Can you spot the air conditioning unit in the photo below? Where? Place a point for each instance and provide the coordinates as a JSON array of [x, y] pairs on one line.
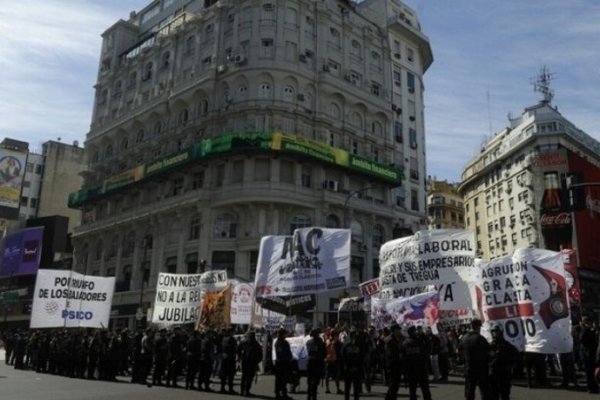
[[325, 67], [222, 68], [302, 58], [240, 59]]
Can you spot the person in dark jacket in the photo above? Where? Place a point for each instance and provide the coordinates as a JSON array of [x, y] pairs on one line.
[[588, 339], [193, 350], [394, 366], [161, 357], [415, 355], [475, 350], [251, 355], [503, 357], [315, 347], [283, 362], [353, 358], [207, 349], [228, 363]]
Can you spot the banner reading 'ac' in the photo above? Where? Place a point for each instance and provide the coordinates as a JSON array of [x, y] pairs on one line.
[[312, 260]]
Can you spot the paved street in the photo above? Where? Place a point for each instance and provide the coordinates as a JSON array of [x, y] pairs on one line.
[[28, 385]]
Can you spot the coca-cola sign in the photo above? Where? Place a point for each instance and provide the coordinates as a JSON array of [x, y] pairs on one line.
[[563, 218]]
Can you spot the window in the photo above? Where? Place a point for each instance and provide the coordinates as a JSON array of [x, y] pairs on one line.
[[286, 171], [357, 265], [195, 224], [190, 45], [24, 201], [166, 60], [171, 265], [378, 237], [306, 178], [375, 88], [118, 89], [414, 200], [332, 221], [410, 54], [356, 231], [412, 137], [299, 221], [267, 48], [335, 111], [225, 227], [410, 82], [224, 260], [184, 116], [29, 167], [398, 132], [148, 71], [288, 93], [33, 202], [264, 90], [132, 81], [262, 169], [333, 67], [397, 78], [191, 262], [198, 180]]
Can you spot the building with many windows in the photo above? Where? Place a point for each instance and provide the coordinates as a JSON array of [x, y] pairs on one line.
[[216, 123], [444, 206], [530, 187]]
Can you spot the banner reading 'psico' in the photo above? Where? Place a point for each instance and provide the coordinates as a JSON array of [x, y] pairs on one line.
[[443, 258], [312, 260], [526, 294], [69, 299], [177, 298]]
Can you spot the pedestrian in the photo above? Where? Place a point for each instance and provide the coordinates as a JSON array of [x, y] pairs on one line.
[[332, 355], [588, 339], [283, 361], [415, 357], [228, 363], [353, 357], [503, 357], [315, 348], [250, 355], [161, 357], [193, 349], [475, 350], [146, 356], [393, 362], [207, 349], [176, 356]]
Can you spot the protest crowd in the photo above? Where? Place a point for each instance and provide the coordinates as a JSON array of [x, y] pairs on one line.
[[344, 360]]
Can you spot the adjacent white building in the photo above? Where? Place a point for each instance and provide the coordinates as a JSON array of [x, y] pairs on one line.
[[216, 123]]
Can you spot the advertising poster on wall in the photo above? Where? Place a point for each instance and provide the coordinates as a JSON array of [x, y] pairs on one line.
[[21, 252], [71, 300], [12, 172], [526, 295]]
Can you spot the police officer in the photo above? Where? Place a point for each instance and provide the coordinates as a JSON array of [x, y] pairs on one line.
[[192, 359], [353, 355], [475, 349], [250, 355], [228, 352], [315, 347], [415, 357], [503, 356], [283, 362], [161, 357], [393, 362]]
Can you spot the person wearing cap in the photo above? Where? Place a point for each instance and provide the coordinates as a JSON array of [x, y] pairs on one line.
[[394, 366], [475, 349], [503, 357]]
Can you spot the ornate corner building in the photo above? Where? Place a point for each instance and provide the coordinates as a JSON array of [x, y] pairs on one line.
[[216, 123], [445, 208]]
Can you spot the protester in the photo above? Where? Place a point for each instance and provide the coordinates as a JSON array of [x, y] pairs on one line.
[[394, 366], [475, 350], [415, 358], [588, 339], [283, 359], [353, 355], [250, 353], [315, 349], [503, 356], [332, 356]]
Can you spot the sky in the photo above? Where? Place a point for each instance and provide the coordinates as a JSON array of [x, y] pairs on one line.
[[486, 54]]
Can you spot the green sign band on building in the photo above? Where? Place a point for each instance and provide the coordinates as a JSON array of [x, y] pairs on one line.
[[230, 142]]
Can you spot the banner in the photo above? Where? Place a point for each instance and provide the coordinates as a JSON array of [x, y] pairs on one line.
[[21, 252], [12, 172], [351, 304], [526, 294], [313, 260], [380, 318], [178, 297], [271, 320], [452, 318], [214, 280], [369, 288], [242, 295], [288, 305], [419, 310], [69, 299], [216, 310], [572, 276], [298, 348], [443, 258]]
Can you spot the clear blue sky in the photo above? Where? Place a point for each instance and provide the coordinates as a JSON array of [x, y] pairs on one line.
[[482, 49]]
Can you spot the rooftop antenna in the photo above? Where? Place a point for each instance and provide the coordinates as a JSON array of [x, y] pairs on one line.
[[541, 84]]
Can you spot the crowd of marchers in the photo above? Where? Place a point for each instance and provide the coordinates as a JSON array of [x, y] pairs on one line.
[[349, 360]]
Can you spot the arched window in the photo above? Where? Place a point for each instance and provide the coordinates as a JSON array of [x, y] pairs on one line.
[[377, 128], [148, 71], [225, 227], [378, 237], [166, 60], [288, 93], [299, 221], [264, 90], [124, 143], [140, 136], [357, 120], [184, 116], [108, 152], [95, 157], [332, 221], [158, 127], [335, 111], [357, 231], [203, 107]]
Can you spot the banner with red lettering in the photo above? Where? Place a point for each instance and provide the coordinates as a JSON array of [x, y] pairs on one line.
[[526, 295], [369, 288]]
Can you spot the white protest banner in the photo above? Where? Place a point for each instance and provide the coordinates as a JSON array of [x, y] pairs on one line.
[[298, 348], [242, 295], [380, 318], [418, 310], [526, 294], [177, 298], [271, 320], [213, 281], [69, 299], [443, 258], [351, 304], [312, 260], [369, 288], [450, 318]]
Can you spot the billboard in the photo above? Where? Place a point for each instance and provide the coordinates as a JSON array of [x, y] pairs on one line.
[[21, 252], [12, 172]]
